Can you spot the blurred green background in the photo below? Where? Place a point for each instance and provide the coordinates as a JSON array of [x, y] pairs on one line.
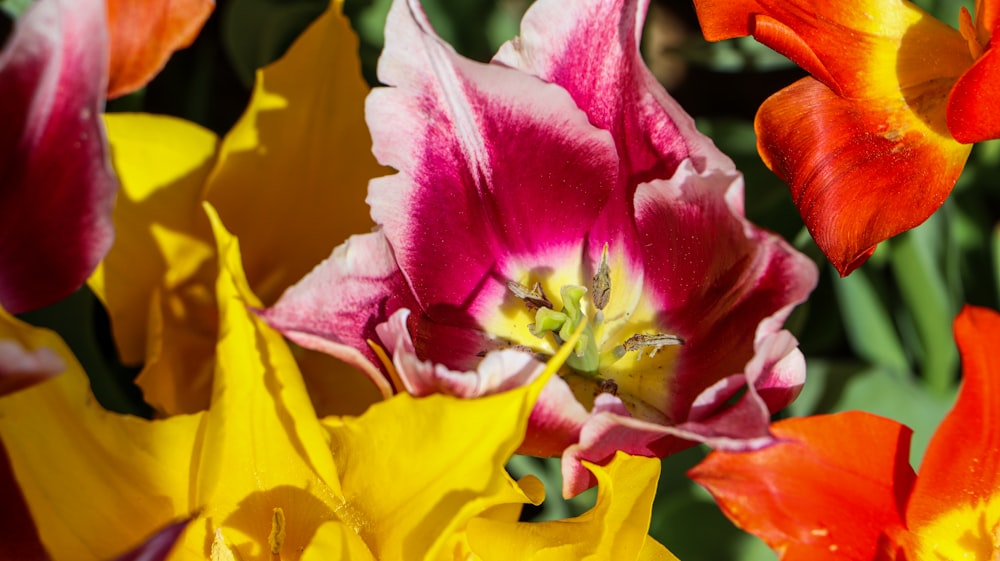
[[879, 340]]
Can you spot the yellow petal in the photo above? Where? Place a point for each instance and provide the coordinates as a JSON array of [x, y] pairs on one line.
[[336, 542], [335, 387], [293, 173], [414, 471], [162, 236], [177, 376], [615, 529], [97, 483], [264, 449], [653, 550]]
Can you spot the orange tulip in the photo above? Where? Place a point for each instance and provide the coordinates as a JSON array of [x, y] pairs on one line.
[[873, 142], [841, 486]]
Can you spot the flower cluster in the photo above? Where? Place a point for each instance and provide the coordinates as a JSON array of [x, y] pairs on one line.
[[349, 316]]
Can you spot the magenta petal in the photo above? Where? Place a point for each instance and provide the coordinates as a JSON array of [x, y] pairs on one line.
[[57, 187], [592, 50], [495, 166], [336, 307], [498, 371], [722, 289], [21, 368], [773, 378]]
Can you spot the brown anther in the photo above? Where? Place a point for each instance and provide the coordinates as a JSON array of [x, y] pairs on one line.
[[533, 297], [607, 386], [641, 341], [601, 292]]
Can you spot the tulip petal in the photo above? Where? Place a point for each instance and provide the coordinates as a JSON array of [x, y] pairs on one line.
[[844, 158], [61, 445], [159, 546], [794, 494], [336, 307], [299, 159], [773, 377], [972, 114], [163, 163], [714, 290], [593, 52], [265, 449], [145, 34], [615, 528], [555, 421], [334, 541], [483, 152], [18, 533], [473, 439], [875, 132], [156, 280], [22, 368], [898, 49], [58, 187], [960, 466]]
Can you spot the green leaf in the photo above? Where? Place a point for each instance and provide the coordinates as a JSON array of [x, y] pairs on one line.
[[868, 324], [14, 8], [916, 261]]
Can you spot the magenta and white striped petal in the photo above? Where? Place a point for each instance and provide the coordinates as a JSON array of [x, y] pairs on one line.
[[336, 307], [494, 166], [592, 51], [772, 379], [57, 187], [714, 288]]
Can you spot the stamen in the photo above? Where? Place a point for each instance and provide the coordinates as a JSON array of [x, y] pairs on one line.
[[533, 297], [968, 30], [221, 550], [397, 381], [607, 386], [641, 341], [602, 282], [277, 536]]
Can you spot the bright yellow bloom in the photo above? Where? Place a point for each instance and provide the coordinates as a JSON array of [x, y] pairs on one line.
[[266, 479], [289, 180]]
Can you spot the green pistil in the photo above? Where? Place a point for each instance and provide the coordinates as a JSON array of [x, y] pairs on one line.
[[563, 323]]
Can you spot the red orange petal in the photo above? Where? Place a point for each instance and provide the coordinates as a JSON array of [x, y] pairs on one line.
[[145, 34], [962, 463], [972, 105], [860, 171], [833, 489], [842, 44]]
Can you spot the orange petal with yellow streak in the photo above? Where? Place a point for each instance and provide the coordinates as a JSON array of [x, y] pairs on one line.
[[860, 171], [962, 462], [842, 45], [973, 103]]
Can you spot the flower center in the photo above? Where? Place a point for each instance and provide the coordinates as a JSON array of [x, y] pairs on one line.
[[599, 347]]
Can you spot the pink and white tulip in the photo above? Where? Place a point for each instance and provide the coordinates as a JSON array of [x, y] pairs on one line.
[[556, 186]]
